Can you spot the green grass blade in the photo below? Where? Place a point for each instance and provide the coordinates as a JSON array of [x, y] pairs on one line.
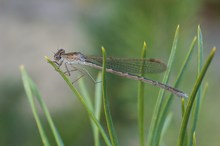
[[106, 104], [97, 105], [192, 98], [193, 142], [141, 102], [97, 108], [205, 90], [183, 111], [200, 50], [169, 99], [85, 94], [185, 62], [82, 100], [88, 101], [183, 106], [154, 122], [48, 116], [195, 112], [167, 123], [194, 138], [28, 90]]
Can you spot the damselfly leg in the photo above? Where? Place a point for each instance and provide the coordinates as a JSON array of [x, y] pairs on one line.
[[82, 72]]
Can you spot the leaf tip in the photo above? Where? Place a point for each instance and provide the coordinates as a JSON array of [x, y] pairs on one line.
[[103, 49], [21, 67], [145, 45], [47, 58], [214, 49], [178, 26], [195, 38], [183, 100], [177, 30]]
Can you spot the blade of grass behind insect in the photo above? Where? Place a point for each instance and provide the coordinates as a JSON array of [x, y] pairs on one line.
[[28, 90], [195, 112], [192, 98], [154, 122], [85, 94], [183, 111], [194, 138], [106, 104], [47, 114], [165, 127], [82, 100], [141, 122], [205, 90], [167, 101], [88, 101], [203, 96], [183, 106], [193, 142], [97, 107]]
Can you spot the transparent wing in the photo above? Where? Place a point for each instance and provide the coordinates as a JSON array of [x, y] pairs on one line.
[[130, 65]]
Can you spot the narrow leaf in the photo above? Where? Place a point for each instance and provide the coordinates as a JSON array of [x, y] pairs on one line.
[[141, 101], [106, 104], [196, 108], [169, 99], [27, 87], [154, 122], [192, 98], [97, 108]]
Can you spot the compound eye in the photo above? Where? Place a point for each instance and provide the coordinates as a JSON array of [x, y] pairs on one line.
[[57, 57]]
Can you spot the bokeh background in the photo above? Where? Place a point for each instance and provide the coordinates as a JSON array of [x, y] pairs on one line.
[[30, 30]]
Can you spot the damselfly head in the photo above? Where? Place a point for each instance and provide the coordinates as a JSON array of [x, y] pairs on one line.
[[57, 56]]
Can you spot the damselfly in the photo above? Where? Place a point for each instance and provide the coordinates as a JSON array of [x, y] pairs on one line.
[[124, 67]]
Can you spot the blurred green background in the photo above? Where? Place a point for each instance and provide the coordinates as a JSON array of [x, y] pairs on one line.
[[30, 29]]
